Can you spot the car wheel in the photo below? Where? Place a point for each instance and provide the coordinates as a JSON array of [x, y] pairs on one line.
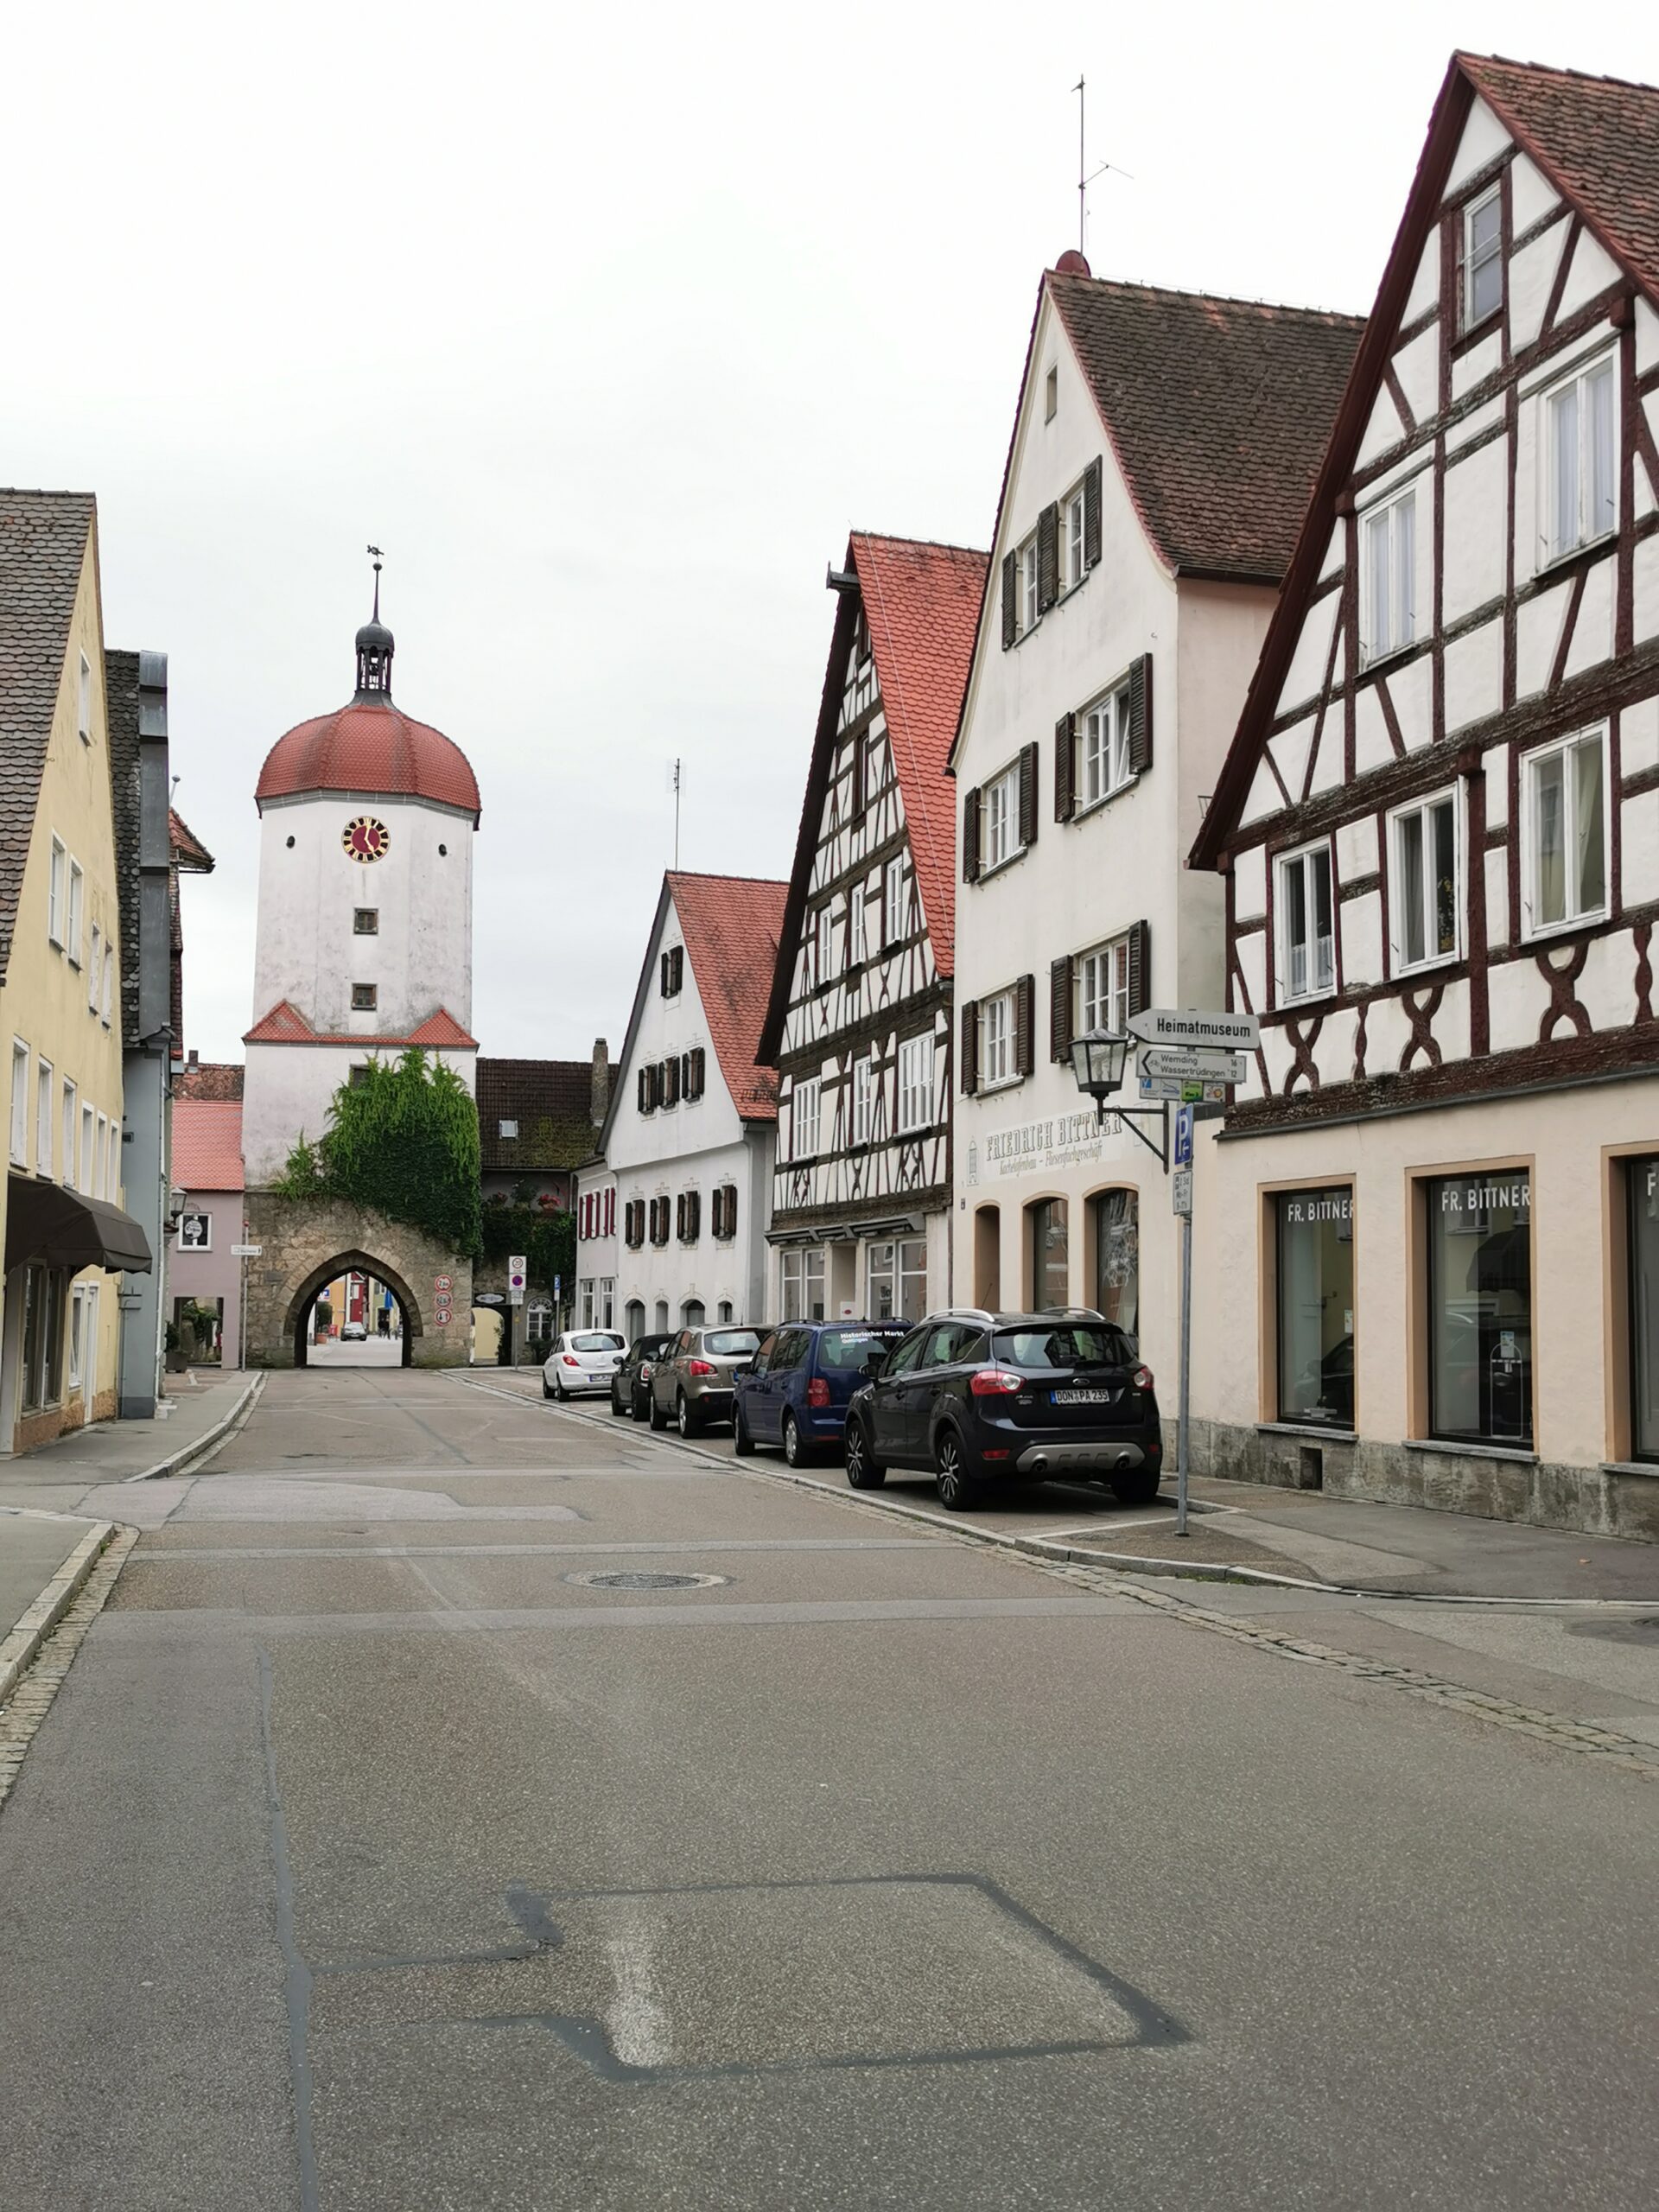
[[957, 1487], [638, 1406], [742, 1442], [687, 1415], [795, 1453], [617, 1407], [547, 1388], [1139, 1488], [863, 1471], [659, 1418]]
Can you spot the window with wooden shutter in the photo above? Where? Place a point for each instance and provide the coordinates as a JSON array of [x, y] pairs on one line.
[[1028, 797], [671, 1083], [1065, 745], [1059, 1008], [696, 1072], [677, 957], [693, 1216], [970, 835], [665, 975], [1048, 558], [679, 1217], [1010, 600], [1139, 967], [643, 1085], [1141, 715], [1091, 514], [1025, 992], [969, 1047], [731, 1209]]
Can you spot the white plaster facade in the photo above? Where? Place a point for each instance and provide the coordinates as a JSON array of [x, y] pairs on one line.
[[596, 1304]]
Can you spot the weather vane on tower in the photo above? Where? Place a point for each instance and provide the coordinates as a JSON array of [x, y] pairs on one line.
[[377, 557]]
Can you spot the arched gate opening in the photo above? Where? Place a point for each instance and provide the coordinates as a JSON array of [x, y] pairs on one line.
[[297, 1324]]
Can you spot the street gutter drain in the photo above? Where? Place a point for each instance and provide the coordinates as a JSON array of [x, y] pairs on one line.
[[641, 1578]]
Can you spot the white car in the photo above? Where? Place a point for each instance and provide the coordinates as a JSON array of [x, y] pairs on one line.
[[581, 1360], [353, 1332]]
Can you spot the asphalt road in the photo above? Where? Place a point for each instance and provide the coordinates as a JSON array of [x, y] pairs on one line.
[[372, 1858]]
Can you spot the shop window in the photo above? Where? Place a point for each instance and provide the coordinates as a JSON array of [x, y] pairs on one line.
[[1117, 1258], [1642, 1176], [44, 1292], [802, 1283], [1051, 1255], [897, 1279], [1315, 1315], [1479, 1280]]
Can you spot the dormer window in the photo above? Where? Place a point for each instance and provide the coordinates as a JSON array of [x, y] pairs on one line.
[[1483, 259]]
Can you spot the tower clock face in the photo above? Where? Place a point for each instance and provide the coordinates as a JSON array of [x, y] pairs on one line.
[[365, 839]]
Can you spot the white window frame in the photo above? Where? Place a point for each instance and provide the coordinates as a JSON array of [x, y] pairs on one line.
[[855, 925], [1283, 863], [1000, 805], [94, 969], [55, 892], [70, 1124], [77, 910], [101, 1160], [1029, 575], [1072, 538], [863, 1098], [1574, 918], [1391, 628], [88, 1153], [1399, 964], [113, 1167], [895, 915], [107, 1003], [996, 1062], [20, 1059], [84, 702], [801, 1271], [1563, 535], [916, 1064], [1103, 987], [45, 1107], [1469, 319], [1104, 767], [805, 1116], [823, 944]]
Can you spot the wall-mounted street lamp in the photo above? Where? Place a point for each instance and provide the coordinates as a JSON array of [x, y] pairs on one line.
[[1100, 1059]]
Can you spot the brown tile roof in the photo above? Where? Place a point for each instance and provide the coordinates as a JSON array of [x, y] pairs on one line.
[[286, 1025], [1595, 137], [208, 1079], [207, 1144], [188, 851], [1218, 411], [551, 1101], [42, 549], [731, 925]]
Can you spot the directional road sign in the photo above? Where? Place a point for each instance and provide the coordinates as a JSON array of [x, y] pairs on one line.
[[1230, 1032], [1185, 1093], [246, 1251], [1192, 1067]]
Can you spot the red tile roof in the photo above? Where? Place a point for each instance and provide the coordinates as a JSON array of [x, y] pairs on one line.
[[207, 1144], [217, 1079], [731, 925], [1218, 411], [373, 749], [286, 1025], [1596, 138], [921, 602], [188, 851]]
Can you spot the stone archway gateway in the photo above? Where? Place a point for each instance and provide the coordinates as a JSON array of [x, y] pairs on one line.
[[304, 1243]]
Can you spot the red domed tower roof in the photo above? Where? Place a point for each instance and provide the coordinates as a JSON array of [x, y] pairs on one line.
[[369, 745]]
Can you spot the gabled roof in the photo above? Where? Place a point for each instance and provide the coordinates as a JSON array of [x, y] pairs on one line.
[[43, 550], [188, 851], [921, 604], [210, 1079], [1217, 411], [552, 1102], [1597, 140], [286, 1025], [206, 1144]]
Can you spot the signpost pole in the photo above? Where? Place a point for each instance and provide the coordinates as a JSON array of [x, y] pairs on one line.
[[1186, 1347]]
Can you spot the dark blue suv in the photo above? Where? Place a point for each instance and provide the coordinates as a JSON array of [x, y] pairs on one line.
[[795, 1391]]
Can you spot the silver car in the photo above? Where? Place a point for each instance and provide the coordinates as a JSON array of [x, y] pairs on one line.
[[581, 1361], [693, 1383]]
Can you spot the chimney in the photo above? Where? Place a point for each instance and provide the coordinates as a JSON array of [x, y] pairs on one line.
[[195, 1059], [602, 1089]]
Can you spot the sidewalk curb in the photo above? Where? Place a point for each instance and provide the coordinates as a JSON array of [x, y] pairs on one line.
[[1179, 1570], [188, 1454], [48, 1609]]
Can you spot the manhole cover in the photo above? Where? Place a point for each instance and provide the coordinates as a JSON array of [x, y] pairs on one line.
[[642, 1578], [1644, 1629]]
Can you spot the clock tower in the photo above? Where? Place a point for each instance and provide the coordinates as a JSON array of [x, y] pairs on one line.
[[365, 934]]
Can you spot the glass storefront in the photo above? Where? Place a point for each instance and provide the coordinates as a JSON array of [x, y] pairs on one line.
[[1643, 1181], [1117, 1258], [1051, 1255], [1316, 1306], [1480, 1307], [802, 1282], [898, 1280]]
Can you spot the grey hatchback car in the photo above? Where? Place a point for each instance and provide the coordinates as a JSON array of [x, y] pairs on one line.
[[692, 1383]]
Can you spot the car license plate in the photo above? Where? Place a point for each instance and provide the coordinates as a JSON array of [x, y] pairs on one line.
[[1083, 1397]]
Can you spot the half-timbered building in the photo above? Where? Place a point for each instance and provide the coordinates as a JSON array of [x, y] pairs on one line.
[[1164, 447], [689, 1128], [1439, 831], [859, 1022]]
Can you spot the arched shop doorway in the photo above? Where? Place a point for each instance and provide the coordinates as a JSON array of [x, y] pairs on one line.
[[375, 1300]]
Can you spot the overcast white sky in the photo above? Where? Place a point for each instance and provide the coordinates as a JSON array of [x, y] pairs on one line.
[[608, 323]]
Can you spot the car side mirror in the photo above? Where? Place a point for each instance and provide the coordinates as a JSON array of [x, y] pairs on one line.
[[874, 1361], [749, 1369]]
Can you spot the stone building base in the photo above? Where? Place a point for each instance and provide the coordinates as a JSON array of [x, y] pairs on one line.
[[307, 1243], [1495, 1485]]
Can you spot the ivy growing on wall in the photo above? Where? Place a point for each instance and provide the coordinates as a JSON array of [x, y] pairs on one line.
[[546, 1234], [404, 1141]]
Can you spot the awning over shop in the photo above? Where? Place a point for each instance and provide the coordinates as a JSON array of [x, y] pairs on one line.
[[846, 1232], [67, 1230]]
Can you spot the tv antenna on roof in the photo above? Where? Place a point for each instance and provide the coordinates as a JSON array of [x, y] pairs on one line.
[[1085, 177], [676, 783]]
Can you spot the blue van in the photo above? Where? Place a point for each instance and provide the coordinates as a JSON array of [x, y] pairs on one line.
[[794, 1392]]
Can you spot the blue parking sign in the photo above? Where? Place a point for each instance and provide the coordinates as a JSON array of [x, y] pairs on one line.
[[1183, 1136]]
